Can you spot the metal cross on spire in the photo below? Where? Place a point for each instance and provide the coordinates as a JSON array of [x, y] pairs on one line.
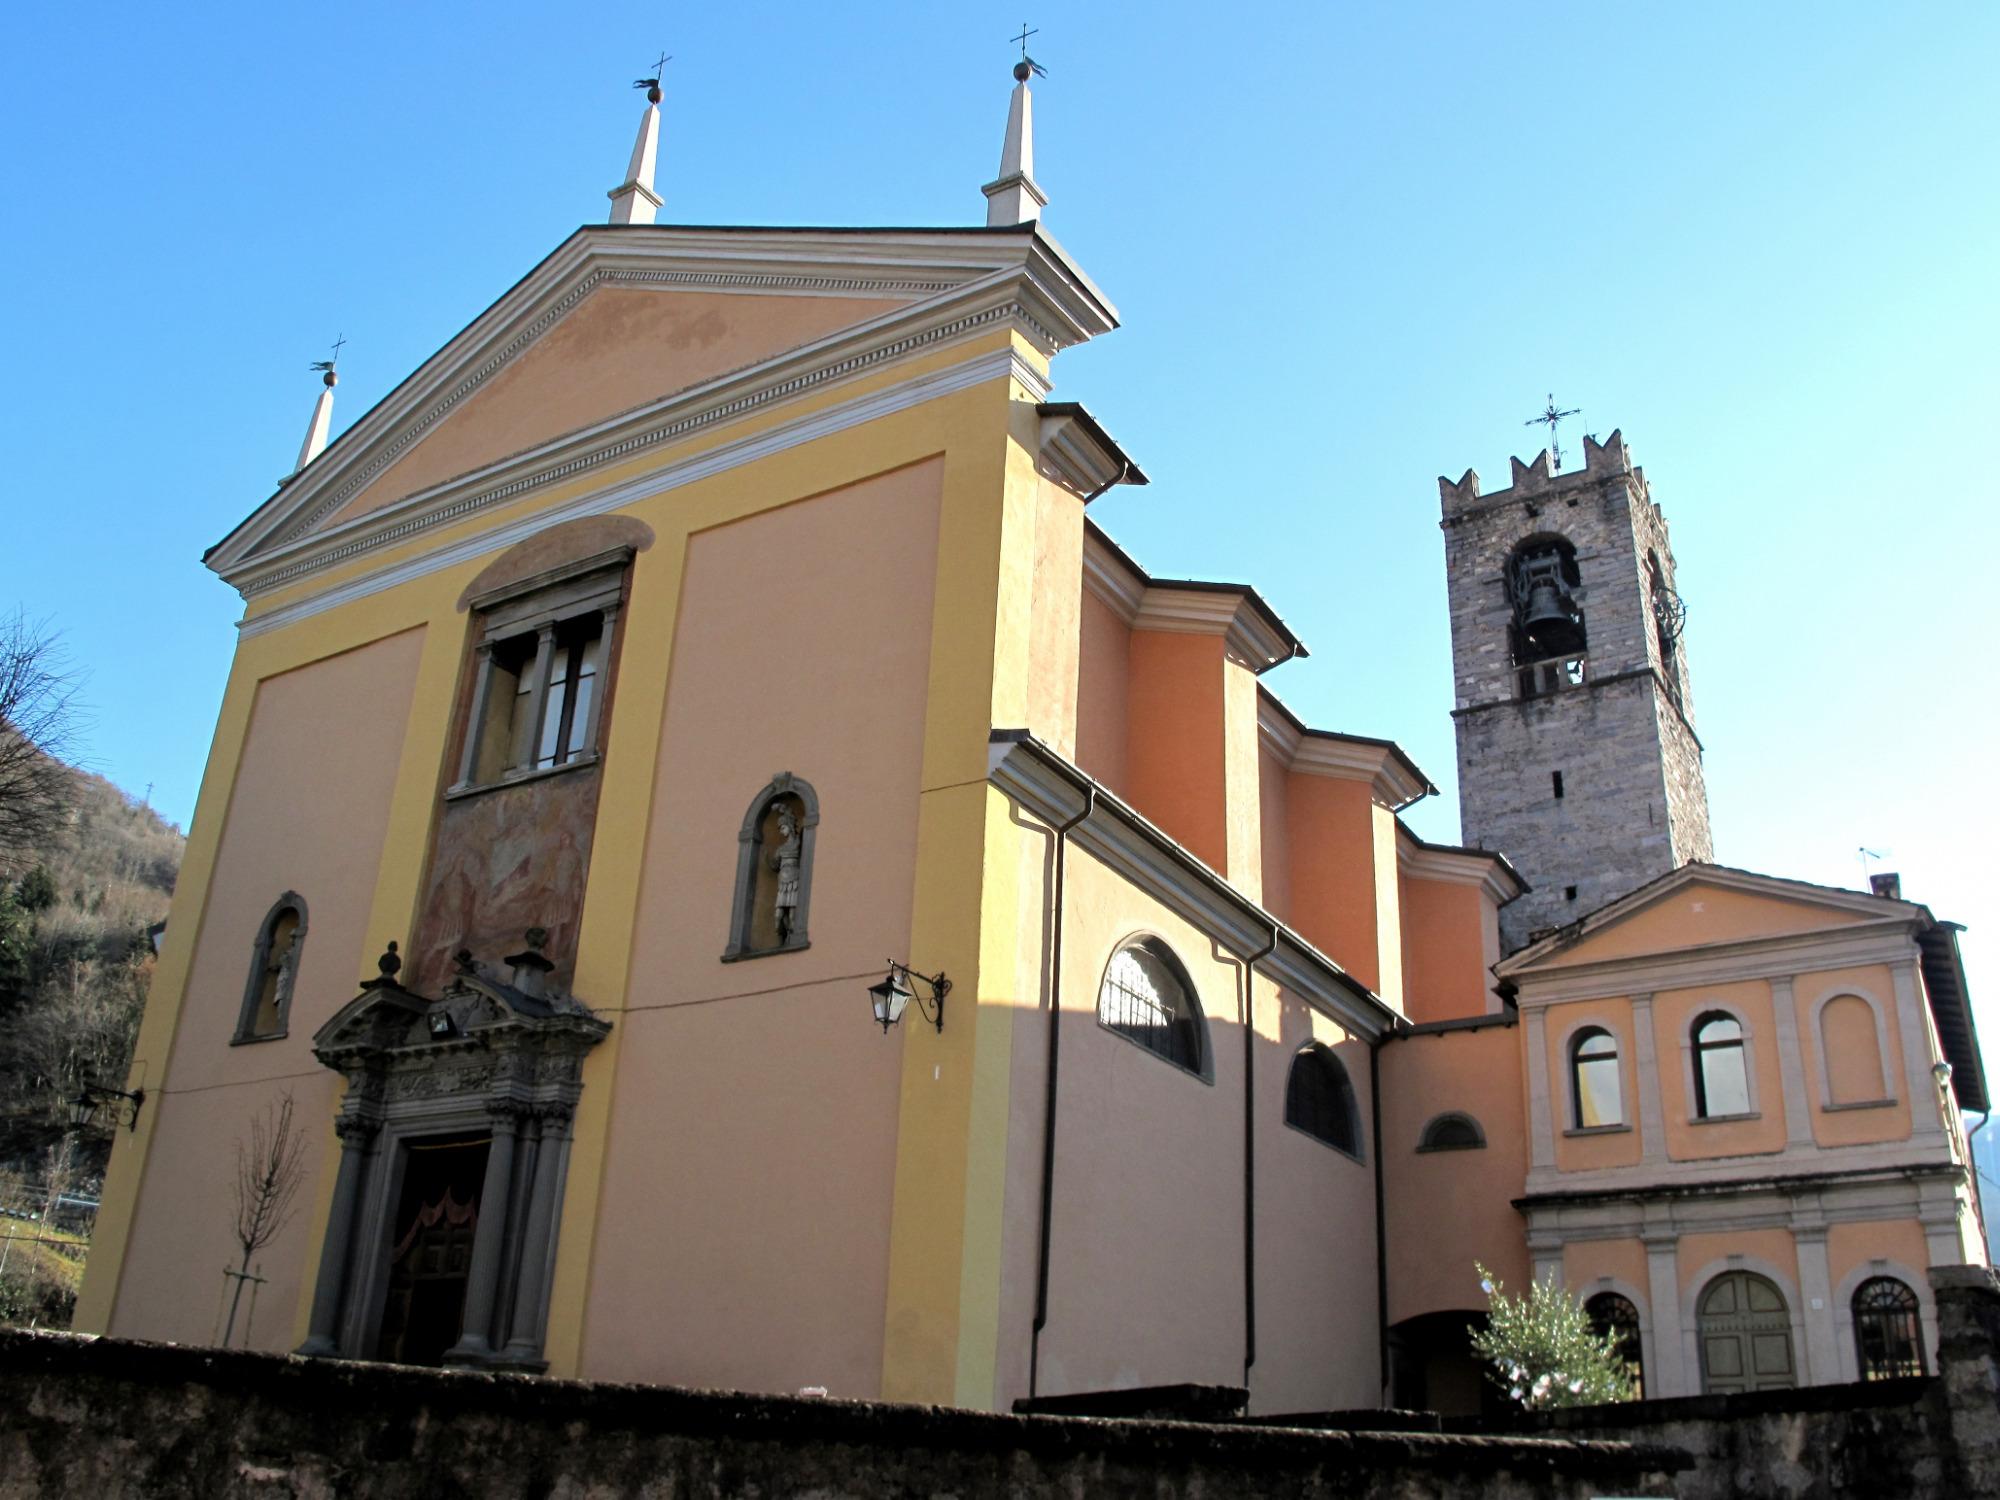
[[652, 85], [1027, 65], [329, 368], [1551, 416]]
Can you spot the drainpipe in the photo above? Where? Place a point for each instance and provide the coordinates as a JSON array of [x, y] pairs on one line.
[[1381, 1229], [1049, 1093], [1250, 1153]]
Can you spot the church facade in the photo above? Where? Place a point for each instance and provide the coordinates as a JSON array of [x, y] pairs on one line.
[[746, 885]]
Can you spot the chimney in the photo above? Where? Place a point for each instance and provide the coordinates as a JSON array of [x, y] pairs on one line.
[[1888, 885]]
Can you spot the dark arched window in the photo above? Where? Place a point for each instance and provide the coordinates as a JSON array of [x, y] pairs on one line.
[[1610, 1313], [1146, 998], [1319, 1100], [1593, 1069], [774, 861], [1452, 1132], [1721, 1082], [274, 971], [1888, 1332]]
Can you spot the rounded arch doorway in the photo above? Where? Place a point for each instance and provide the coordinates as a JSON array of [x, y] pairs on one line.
[[1746, 1336]]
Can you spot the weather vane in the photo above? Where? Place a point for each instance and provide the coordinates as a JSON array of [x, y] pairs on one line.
[[1027, 65], [652, 85], [329, 369], [1551, 416]]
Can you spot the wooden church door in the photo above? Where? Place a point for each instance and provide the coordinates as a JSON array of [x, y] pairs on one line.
[[1746, 1336], [437, 1217]]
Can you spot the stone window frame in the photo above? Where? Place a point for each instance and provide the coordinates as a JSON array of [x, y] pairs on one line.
[[1159, 948], [748, 842], [288, 979], [539, 605], [1843, 1306], [1706, 1011], [1323, 1054], [1569, 1038], [1816, 1013], [1425, 1143]]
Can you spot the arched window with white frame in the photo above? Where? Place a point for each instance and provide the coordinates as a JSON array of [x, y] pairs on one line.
[[1597, 1096], [1721, 1071]]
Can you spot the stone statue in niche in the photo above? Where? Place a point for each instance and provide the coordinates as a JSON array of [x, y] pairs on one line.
[[785, 860]]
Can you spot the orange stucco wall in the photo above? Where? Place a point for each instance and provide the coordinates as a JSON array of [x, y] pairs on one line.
[[619, 349], [1587, 1152], [752, 1138], [1674, 1014], [1177, 763], [1847, 1127], [1147, 1251], [1103, 680], [1697, 1254], [1333, 871], [1700, 913], [1274, 852], [1447, 1209], [1444, 950], [299, 819]]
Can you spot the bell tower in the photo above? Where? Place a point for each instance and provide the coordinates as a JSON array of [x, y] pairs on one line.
[[1577, 755]]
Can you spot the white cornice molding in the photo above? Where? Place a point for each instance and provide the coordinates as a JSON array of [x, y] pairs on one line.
[[952, 287], [914, 392], [1890, 941], [1070, 452], [1858, 903], [1476, 867], [1793, 1170], [1052, 790], [1176, 608], [1323, 752]]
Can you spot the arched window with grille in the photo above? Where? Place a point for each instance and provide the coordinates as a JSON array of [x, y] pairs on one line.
[[1888, 1330], [1148, 999], [1721, 1080], [1594, 1085], [274, 970], [1319, 1100], [1455, 1131], [1616, 1315]]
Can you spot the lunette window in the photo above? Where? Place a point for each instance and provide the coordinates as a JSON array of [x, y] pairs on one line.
[[1721, 1082], [1594, 1079], [538, 692], [1452, 1132], [1319, 1099], [1147, 999], [1888, 1333]]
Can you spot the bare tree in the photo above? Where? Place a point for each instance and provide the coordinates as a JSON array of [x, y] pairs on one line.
[[269, 1169], [39, 718]]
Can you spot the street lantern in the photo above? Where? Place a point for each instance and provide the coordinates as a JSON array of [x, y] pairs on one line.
[[893, 995], [83, 1107]]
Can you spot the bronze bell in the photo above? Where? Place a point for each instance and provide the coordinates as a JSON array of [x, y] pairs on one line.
[[1547, 620]]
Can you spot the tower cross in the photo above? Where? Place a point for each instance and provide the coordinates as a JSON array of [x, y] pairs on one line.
[[337, 344], [661, 66], [1026, 32], [1551, 416]]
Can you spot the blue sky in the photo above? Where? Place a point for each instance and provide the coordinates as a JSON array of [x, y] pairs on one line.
[[1354, 247]]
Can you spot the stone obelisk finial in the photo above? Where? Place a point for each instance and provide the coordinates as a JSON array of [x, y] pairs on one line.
[[633, 201], [1014, 197], [322, 417]]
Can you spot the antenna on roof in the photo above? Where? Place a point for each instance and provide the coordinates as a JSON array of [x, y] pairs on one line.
[[1551, 416]]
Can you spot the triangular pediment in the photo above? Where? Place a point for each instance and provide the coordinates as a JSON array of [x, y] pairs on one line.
[[630, 336], [1701, 906]]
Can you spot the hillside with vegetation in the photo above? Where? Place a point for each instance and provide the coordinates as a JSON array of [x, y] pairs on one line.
[[77, 901]]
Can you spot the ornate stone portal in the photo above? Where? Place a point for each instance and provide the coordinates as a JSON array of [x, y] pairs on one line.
[[485, 1059]]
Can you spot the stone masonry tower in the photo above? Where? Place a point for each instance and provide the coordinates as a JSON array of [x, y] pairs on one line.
[[1577, 756]]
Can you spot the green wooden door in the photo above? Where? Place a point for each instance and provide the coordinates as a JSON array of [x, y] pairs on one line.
[[1746, 1336]]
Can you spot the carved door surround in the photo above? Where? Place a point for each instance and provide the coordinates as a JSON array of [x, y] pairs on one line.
[[503, 1059]]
